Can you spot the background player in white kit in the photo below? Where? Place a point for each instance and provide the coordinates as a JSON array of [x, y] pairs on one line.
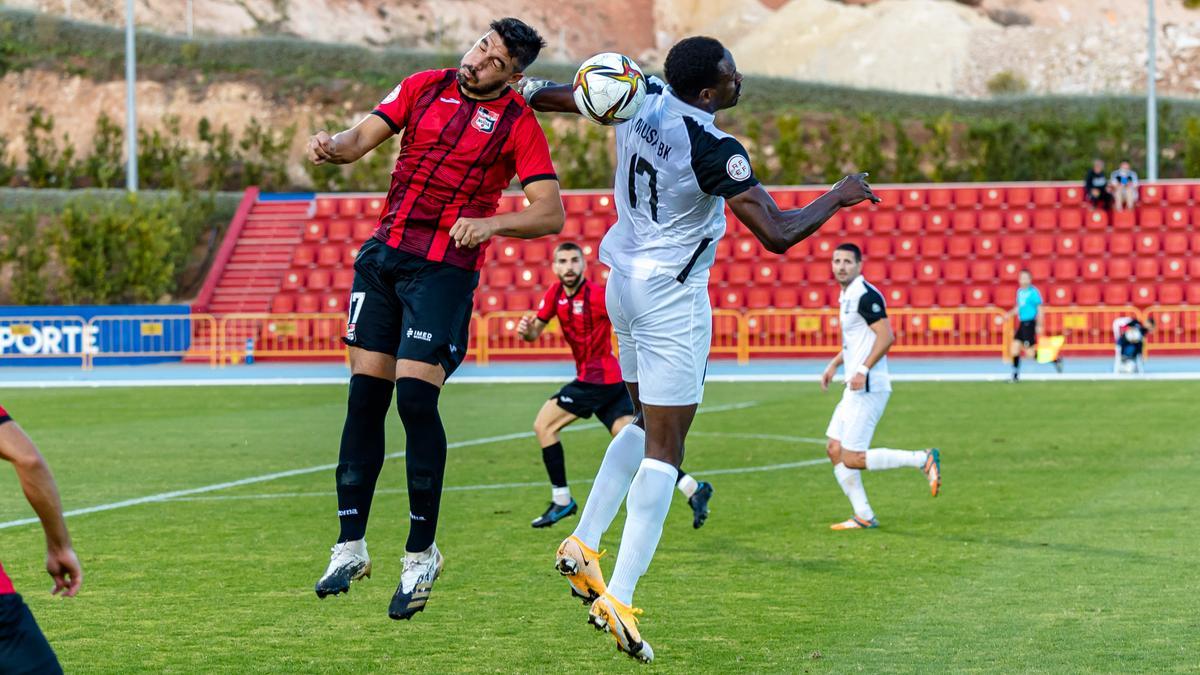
[[866, 337], [675, 171]]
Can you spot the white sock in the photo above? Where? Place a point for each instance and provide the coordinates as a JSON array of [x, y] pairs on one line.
[[879, 459], [561, 495], [616, 472], [687, 485], [647, 506], [851, 482]]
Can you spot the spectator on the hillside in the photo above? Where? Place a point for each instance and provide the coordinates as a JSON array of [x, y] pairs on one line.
[[1124, 186], [1095, 186]]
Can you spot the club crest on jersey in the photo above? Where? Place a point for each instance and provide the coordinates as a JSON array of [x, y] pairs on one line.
[[578, 307], [485, 120], [738, 167]]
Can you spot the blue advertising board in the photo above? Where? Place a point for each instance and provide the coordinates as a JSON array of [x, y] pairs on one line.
[[65, 335]]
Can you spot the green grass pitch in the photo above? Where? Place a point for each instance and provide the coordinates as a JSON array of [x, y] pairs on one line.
[[1065, 539]]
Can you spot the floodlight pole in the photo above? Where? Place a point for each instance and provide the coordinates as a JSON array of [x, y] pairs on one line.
[[189, 20], [1151, 100], [131, 167]]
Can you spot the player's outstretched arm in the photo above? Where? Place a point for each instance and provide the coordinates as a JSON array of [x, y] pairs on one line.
[[544, 215], [350, 145], [42, 493], [530, 327], [547, 96], [780, 230]]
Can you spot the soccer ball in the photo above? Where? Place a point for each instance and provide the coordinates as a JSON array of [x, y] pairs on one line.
[[609, 88]]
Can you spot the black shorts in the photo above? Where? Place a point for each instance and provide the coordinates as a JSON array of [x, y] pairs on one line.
[[608, 402], [23, 647], [409, 307], [1027, 333]]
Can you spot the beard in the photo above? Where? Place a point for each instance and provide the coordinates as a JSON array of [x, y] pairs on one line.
[[475, 90]]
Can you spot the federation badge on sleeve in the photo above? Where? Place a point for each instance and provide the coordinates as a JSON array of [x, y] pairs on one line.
[[485, 120]]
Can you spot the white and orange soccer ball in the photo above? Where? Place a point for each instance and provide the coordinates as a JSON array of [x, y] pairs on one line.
[[609, 88]]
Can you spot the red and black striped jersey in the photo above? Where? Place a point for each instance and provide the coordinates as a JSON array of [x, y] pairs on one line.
[[6, 586], [456, 156], [585, 326]]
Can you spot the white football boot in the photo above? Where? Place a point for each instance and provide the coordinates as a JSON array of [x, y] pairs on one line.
[[348, 562]]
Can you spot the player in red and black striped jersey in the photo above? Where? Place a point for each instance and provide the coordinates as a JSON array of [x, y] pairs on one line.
[[23, 647], [467, 133], [598, 388]]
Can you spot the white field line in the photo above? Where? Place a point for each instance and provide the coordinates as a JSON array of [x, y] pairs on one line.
[[165, 496]]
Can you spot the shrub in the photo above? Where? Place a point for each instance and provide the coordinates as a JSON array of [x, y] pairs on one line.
[[1006, 83]]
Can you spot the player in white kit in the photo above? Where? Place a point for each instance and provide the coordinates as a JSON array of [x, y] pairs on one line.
[[675, 172], [866, 337]]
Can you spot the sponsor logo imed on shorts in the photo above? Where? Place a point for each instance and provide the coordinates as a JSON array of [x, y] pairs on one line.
[[419, 335]]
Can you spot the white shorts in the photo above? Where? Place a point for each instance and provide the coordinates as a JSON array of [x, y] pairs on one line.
[[664, 330], [855, 418]]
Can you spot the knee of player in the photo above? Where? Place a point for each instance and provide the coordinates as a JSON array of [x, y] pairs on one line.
[[416, 398], [369, 397]]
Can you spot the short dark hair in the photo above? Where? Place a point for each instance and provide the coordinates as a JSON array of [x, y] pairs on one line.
[[691, 65], [568, 246], [522, 42], [853, 248]]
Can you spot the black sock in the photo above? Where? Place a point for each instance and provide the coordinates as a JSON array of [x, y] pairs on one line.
[[425, 458], [556, 464], [1016, 364], [361, 456]]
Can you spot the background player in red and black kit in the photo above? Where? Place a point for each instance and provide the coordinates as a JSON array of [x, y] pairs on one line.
[[598, 387], [467, 133], [23, 648]]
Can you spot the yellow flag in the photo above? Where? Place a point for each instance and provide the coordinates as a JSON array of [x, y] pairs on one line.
[[1048, 348]]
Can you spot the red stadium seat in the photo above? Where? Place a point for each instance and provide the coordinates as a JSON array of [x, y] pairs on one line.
[[1094, 244], [959, 245], [1177, 194], [758, 298], [991, 197], [725, 249], [292, 280], [1147, 243], [349, 207], [883, 221], [987, 245], [1087, 295], [939, 197], [937, 223], [1174, 268], [1170, 294], [901, 272], [717, 274], [534, 253], [979, 296], [912, 198], [576, 203], [339, 230], [1094, 269], [784, 199], [499, 278], [1040, 269], [1045, 196], [1119, 269], [1149, 217], [1018, 197], [765, 273], [1070, 219], [878, 247], [1071, 195], [283, 304], [966, 197], [819, 273], [1060, 294], [1065, 270], [921, 296], [508, 252], [1193, 294], [373, 207], [983, 271], [489, 301], [308, 303], [1120, 244], [739, 274], [1175, 243], [343, 279], [603, 204], [349, 255], [1097, 220], [314, 231], [1146, 268], [791, 273], [1196, 243], [906, 247], [1178, 219], [955, 271], [1005, 296], [1009, 270], [572, 227], [812, 298], [929, 271], [745, 249], [1144, 294], [786, 298], [517, 302], [1123, 220], [1045, 220], [318, 280], [527, 277], [911, 222], [896, 297], [1017, 221], [1012, 246], [363, 230], [325, 207], [1067, 245], [950, 296], [330, 255], [991, 221], [1151, 194], [964, 221], [1116, 294], [933, 246], [595, 227], [304, 256], [1041, 245], [875, 269]]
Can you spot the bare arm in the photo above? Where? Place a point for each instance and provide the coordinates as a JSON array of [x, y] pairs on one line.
[[780, 230], [884, 339], [530, 327], [543, 216], [350, 145], [42, 494], [547, 96], [831, 370]]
